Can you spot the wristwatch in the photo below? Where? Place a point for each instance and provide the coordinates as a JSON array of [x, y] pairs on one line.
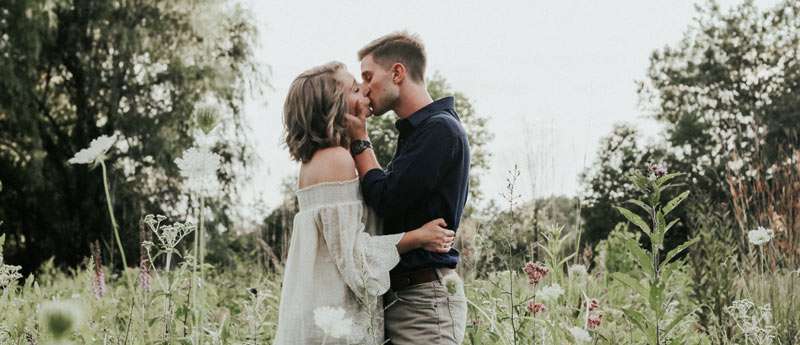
[[358, 146]]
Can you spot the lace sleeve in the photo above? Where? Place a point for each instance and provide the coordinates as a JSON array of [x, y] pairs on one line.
[[363, 260]]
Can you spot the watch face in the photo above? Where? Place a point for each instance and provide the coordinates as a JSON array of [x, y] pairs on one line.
[[359, 146]]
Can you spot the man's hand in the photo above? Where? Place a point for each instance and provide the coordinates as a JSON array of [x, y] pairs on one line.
[[357, 123]]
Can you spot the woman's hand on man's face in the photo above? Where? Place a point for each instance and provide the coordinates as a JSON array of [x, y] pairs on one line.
[[357, 120]]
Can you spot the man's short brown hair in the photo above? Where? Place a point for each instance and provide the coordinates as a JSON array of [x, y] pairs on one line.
[[398, 47]]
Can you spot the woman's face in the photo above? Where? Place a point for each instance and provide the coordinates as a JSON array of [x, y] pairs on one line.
[[354, 93]]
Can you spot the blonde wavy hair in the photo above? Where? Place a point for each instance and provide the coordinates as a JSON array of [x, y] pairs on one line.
[[314, 112]]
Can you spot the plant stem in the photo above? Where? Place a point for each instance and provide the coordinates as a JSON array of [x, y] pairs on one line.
[[201, 237], [201, 261], [168, 296], [114, 225]]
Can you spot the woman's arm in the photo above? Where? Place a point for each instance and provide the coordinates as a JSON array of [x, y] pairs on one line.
[[433, 237]]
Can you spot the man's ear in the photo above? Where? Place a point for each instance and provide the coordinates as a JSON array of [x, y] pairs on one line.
[[398, 73]]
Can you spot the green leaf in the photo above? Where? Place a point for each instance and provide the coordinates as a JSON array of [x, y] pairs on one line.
[[680, 248], [655, 197], [675, 202], [635, 219], [639, 320], [676, 341], [569, 257], [666, 178], [640, 181], [641, 204], [669, 226], [632, 283], [676, 321], [549, 254], [656, 299], [641, 256], [667, 269], [658, 236]]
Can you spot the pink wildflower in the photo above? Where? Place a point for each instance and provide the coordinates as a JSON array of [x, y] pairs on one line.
[[536, 272], [99, 281], [536, 308], [659, 169], [144, 276], [592, 304], [594, 320]]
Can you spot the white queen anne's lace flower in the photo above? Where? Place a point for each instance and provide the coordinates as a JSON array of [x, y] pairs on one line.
[[95, 152], [759, 236], [199, 166], [205, 141], [333, 322], [580, 334], [736, 164], [577, 271], [8, 274], [168, 235], [550, 293]]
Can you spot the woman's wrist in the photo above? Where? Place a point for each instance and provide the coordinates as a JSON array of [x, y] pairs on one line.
[[414, 238]]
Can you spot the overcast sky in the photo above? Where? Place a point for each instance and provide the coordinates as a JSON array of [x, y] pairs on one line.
[[551, 76]]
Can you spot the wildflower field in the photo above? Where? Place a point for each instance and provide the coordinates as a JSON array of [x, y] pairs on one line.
[[118, 204]]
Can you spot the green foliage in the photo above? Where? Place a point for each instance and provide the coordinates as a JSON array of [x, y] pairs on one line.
[[656, 272], [729, 90], [613, 253], [490, 244], [605, 182], [727, 95], [713, 266], [71, 70]]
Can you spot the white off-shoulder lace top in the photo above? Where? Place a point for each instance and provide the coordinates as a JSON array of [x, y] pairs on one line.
[[336, 259]]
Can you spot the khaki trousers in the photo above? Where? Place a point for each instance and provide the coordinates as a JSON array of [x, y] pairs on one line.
[[427, 313]]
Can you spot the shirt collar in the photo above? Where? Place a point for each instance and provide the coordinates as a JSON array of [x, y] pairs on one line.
[[418, 117]]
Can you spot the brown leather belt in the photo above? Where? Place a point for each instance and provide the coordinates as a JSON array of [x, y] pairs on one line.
[[403, 280]]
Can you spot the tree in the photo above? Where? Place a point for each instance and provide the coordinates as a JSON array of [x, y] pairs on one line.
[[72, 70], [605, 182], [727, 95]]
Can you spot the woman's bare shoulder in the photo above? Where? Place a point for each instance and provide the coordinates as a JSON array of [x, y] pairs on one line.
[[331, 164]]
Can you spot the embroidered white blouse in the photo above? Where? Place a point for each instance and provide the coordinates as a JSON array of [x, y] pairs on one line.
[[335, 260]]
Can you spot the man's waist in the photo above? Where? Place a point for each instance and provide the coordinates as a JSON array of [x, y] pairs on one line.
[[403, 280], [420, 259]]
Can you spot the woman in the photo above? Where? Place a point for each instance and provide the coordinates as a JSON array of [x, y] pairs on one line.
[[334, 259]]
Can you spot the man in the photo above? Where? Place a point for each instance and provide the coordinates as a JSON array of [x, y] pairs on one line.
[[426, 179]]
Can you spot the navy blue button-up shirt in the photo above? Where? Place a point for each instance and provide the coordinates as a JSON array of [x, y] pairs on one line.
[[428, 178]]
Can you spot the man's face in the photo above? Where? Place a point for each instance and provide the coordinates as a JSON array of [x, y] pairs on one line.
[[381, 90]]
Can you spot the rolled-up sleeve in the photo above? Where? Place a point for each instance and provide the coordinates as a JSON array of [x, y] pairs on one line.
[[415, 172]]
